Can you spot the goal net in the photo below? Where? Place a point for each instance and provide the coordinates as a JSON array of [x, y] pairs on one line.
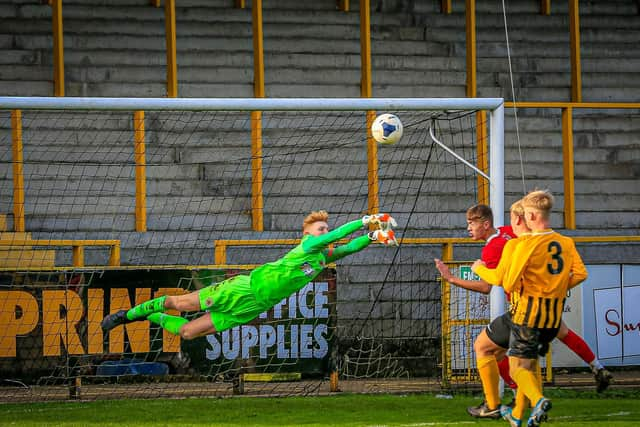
[[106, 203]]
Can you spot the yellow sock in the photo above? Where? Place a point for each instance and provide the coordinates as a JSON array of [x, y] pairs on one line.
[[490, 377], [528, 382], [521, 404], [538, 371]]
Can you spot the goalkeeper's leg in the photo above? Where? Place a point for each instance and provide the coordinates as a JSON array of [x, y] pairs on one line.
[[188, 302], [180, 326]]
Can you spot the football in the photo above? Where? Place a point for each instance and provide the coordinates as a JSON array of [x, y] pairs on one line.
[[387, 129]]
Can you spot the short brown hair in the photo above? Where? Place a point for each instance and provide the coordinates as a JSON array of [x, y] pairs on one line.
[[314, 216], [480, 212], [540, 200]]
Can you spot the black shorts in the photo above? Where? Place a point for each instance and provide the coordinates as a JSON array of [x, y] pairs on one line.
[[499, 330], [530, 343]]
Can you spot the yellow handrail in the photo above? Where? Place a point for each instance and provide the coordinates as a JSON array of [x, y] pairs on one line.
[[220, 246], [76, 245]]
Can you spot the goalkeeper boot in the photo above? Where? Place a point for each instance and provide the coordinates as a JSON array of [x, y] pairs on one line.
[[483, 411], [112, 320], [507, 414], [539, 412], [603, 379]]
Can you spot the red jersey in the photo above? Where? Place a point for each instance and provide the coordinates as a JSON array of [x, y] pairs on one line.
[[492, 250]]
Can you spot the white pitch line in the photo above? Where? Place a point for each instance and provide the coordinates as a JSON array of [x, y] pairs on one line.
[[427, 424], [563, 417], [613, 414]]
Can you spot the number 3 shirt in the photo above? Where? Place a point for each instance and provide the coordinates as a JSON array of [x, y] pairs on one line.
[[543, 266]]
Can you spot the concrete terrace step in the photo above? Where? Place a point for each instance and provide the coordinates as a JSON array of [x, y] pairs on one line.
[[187, 58], [555, 49], [205, 13], [26, 88], [232, 44], [596, 8], [23, 57]]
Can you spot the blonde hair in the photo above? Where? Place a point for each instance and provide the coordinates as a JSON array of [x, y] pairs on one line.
[[314, 216], [517, 208], [540, 200]]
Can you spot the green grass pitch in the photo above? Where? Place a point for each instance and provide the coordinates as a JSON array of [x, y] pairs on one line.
[[612, 409]]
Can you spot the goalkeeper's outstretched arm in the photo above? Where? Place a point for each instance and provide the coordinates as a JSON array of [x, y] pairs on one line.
[[387, 238], [317, 243]]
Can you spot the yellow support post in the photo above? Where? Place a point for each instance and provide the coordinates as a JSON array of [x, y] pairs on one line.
[[258, 49], [114, 256], [58, 48], [220, 253], [241, 4], [483, 156], [365, 49], [257, 196], [170, 36], [155, 3], [545, 7], [445, 7], [447, 255], [549, 371], [18, 171], [574, 35], [567, 162], [373, 195], [343, 5], [78, 255], [257, 200], [366, 91], [140, 159], [471, 92], [470, 15]]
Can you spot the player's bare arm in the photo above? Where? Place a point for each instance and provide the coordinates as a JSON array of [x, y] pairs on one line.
[[472, 285]]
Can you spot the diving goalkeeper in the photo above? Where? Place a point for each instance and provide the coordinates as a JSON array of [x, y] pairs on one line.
[[239, 299]]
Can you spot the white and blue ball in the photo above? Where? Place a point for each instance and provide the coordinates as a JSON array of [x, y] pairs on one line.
[[387, 129]]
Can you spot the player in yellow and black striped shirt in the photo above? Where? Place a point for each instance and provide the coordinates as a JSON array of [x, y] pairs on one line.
[[543, 266]]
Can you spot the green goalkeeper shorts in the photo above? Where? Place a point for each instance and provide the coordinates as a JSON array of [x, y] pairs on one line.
[[230, 302]]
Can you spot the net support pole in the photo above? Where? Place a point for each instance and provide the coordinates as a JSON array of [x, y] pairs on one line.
[[496, 194]]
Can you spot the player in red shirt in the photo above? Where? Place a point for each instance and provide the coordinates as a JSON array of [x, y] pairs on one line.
[[491, 344]]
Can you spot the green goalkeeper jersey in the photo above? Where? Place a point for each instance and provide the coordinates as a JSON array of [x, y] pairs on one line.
[[273, 281]]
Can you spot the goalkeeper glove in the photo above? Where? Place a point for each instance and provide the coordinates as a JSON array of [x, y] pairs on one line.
[[384, 221], [387, 238]]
